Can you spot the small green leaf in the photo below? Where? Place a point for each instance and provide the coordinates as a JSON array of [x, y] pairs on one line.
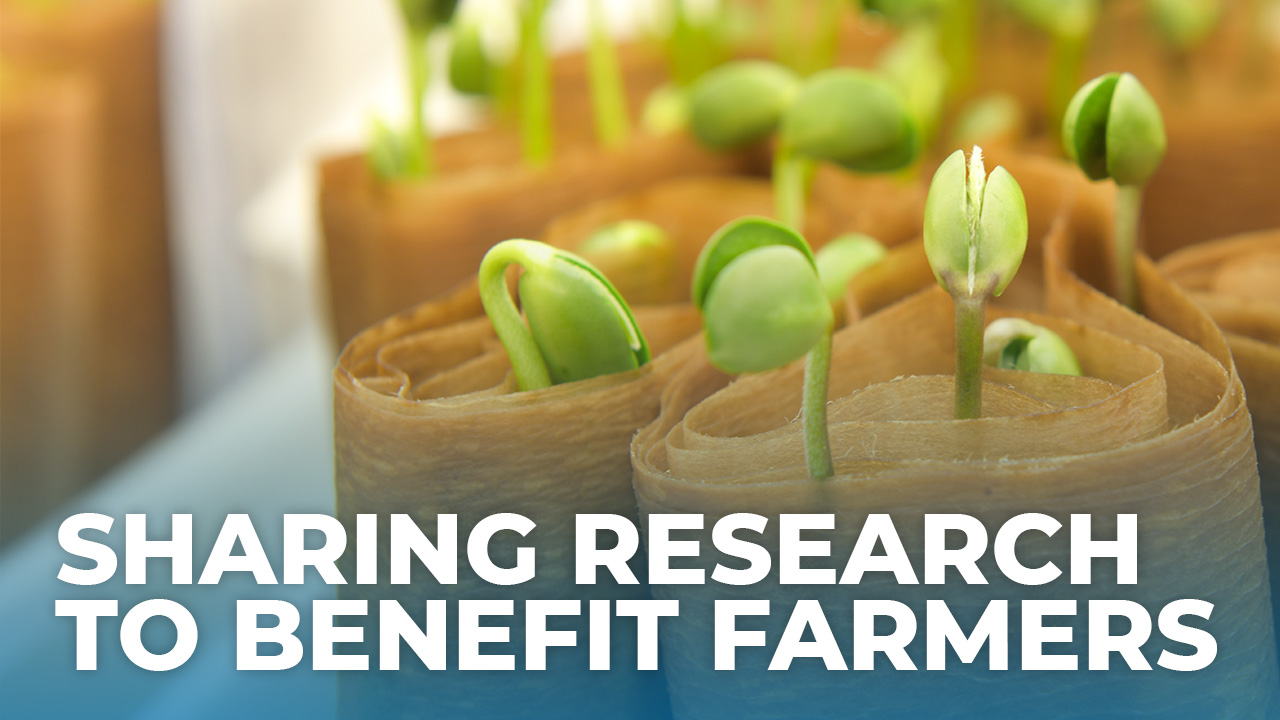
[[1084, 126], [1135, 133], [765, 309], [1016, 344], [1113, 129], [626, 236], [975, 227], [579, 327], [1060, 18], [666, 111], [734, 239], [740, 103], [841, 259], [1185, 24], [470, 70], [852, 118], [581, 324]]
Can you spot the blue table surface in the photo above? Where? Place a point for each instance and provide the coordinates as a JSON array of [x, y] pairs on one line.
[[263, 447]]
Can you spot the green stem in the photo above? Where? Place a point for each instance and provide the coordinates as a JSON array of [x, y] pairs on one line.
[[422, 160], [813, 409], [790, 187], [959, 34], [970, 317], [1064, 77], [1128, 215], [826, 40], [527, 362], [535, 114], [608, 98]]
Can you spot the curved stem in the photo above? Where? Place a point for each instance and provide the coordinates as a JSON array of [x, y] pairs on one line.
[[813, 409], [535, 92], [790, 191], [527, 362], [970, 315], [422, 159], [1128, 215], [608, 98]]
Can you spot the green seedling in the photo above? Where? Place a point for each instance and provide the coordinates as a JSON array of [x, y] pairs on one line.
[[471, 69], [950, 25], [844, 257], [975, 234], [1016, 344], [535, 85], [1070, 24], [916, 66], [850, 117], [740, 103], [411, 155], [608, 94], [1113, 129], [637, 256], [666, 111], [763, 306], [579, 327], [697, 37], [1184, 24], [987, 120]]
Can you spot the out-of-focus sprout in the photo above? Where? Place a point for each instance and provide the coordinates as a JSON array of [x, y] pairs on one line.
[[535, 87], [411, 155], [950, 26], [1184, 24], [824, 44], [995, 119], [696, 36], [637, 256], [740, 103], [1113, 129], [666, 111], [846, 116], [608, 94], [1017, 344], [579, 327], [842, 258], [763, 307], [1070, 24], [975, 234], [850, 117], [904, 13], [916, 66], [471, 71]]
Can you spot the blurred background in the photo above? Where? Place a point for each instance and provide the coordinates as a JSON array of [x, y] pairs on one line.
[[159, 221]]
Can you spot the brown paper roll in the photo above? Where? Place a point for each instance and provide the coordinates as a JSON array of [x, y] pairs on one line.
[[390, 246], [427, 423], [47, 170], [127, 374], [1157, 427], [1236, 280]]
